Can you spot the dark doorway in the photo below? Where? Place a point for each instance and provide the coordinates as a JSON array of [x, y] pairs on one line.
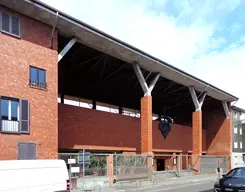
[[160, 164]]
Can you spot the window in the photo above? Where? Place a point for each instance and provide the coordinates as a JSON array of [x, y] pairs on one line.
[[38, 77], [235, 144], [235, 129], [235, 114], [10, 24], [240, 144], [241, 131], [9, 109], [14, 115]]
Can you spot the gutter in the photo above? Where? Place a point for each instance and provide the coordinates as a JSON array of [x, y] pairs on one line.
[[121, 43]]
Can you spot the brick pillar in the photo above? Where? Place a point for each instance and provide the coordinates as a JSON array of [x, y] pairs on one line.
[[146, 131], [110, 168], [196, 140], [146, 125], [174, 167], [154, 167], [181, 161]]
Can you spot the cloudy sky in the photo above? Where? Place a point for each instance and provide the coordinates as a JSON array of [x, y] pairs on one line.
[[205, 38]]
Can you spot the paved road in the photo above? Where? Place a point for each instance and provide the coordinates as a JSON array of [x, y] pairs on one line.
[[194, 187], [204, 187], [192, 184]]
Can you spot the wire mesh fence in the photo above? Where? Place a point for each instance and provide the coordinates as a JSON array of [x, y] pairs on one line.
[[84, 167], [209, 164], [132, 166]]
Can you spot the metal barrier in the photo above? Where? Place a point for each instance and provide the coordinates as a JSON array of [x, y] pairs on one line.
[[83, 171], [209, 164], [132, 166]]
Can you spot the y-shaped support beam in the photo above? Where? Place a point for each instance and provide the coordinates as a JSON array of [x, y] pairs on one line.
[[197, 102], [67, 48], [146, 89], [226, 109]]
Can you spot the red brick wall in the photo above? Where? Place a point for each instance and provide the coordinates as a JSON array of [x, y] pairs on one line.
[[80, 127], [180, 138], [146, 124], [219, 130], [16, 54]]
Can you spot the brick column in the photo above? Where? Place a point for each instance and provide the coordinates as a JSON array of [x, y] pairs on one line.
[[146, 131], [174, 167], [154, 167], [196, 140], [110, 168], [146, 125], [180, 161]]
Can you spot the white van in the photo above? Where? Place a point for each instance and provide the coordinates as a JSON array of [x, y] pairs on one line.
[[34, 176]]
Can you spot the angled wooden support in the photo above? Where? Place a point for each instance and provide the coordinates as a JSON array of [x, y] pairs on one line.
[[146, 89], [226, 109], [67, 48], [197, 102]]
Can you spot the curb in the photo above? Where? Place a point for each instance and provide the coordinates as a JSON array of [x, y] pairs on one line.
[[170, 182]]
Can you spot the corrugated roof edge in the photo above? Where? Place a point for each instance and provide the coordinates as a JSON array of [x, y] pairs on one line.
[[127, 45], [238, 108]]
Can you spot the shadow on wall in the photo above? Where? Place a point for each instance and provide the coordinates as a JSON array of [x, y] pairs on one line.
[[218, 129]]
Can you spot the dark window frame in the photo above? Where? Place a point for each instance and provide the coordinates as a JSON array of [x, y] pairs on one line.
[[37, 82], [10, 32]]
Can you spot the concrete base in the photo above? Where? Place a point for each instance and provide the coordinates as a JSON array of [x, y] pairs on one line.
[[90, 183]]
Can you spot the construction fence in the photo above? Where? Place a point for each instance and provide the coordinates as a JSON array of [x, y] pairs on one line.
[[209, 164], [87, 169]]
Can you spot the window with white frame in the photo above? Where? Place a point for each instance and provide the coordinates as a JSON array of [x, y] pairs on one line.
[[235, 114], [240, 130], [240, 144], [14, 115], [10, 109], [10, 24], [235, 144], [235, 129]]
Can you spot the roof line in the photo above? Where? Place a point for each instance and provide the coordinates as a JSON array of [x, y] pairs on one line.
[[126, 45], [238, 109]]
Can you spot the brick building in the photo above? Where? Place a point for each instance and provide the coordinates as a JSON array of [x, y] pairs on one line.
[[46, 55]]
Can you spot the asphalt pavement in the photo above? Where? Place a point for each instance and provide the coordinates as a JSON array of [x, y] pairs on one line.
[[191, 184], [195, 187]]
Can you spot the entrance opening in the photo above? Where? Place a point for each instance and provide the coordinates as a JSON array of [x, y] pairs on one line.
[[160, 164]]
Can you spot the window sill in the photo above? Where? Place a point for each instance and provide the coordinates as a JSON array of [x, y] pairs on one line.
[[14, 133], [38, 87], [10, 34], [10, 133]]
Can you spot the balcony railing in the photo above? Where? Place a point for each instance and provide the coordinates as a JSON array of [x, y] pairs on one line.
[[37, 84], [10, 126]]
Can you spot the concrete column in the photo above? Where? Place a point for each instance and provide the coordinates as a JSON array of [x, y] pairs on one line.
[[196, 140], [146, 125]]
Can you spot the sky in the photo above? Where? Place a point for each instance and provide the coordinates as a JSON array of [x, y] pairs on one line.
[[204, 38]]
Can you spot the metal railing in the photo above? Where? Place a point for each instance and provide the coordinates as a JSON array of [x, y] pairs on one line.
[[37, 84], [9, 126]]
